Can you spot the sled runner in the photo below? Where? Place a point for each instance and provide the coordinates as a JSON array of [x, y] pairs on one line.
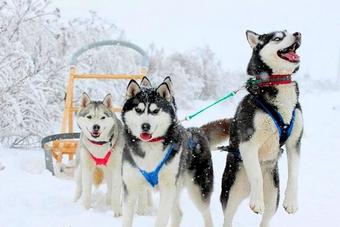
[[65, 143]]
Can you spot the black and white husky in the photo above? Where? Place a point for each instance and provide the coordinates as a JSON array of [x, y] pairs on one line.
[[266, 119], [161, 154], [99, 152]]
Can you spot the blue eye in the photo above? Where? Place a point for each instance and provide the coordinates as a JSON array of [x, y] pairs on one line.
[[277, 39]]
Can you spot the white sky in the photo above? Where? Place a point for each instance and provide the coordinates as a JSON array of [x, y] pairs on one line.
[[180, 25]]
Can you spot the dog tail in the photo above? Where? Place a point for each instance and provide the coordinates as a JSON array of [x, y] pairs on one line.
[[98, 176], [217, 132]]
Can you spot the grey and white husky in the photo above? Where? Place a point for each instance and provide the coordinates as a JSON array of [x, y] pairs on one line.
[[161, 154], [267, 119], [99, 152]]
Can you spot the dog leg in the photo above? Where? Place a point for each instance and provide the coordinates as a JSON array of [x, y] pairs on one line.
[[176, 213], [109, 180], [116, 192], [167, 197], [130, 198], [78, 180], [271, 194], [201, 203], [249, 153], [143, 202], [293, 157], [235, 188], [87, 186]]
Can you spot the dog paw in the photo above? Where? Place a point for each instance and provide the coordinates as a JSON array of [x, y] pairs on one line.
[[290, 205], [87, 203], [117, 213], [145, 211], [257, 205]]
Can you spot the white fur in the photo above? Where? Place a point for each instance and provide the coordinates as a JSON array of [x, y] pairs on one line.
[[135, 182], [264, 147], [159, 123], [270, 57], [86, 166]]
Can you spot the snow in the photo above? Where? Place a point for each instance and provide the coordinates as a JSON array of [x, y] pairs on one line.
[[31, 197]]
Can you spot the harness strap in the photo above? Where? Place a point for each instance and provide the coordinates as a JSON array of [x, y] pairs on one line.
[[102, 161], [152, 177], [283, 128]]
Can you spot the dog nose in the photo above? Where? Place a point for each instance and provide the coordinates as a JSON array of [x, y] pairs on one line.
[[297, 34], [146, 127], [96, 127]]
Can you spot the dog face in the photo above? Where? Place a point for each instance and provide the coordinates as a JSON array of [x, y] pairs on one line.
[[274, 53], [95, 118], [148, 112]]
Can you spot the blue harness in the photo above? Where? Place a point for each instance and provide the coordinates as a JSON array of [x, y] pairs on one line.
[[284, 130], [152, 177]]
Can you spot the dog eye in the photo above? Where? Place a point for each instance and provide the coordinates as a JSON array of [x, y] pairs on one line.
[[156, 111], [89, 117], [138, 110], [277, 39], [102, 118]]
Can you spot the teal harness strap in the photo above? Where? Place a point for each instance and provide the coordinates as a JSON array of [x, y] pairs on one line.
[[250, 82], [152, 177]]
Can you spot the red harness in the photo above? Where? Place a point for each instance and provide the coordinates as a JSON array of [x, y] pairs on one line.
[[273, 80], [101, 161]]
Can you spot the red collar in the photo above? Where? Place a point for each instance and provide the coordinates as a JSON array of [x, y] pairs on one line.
[[274, 80], [157, 139]]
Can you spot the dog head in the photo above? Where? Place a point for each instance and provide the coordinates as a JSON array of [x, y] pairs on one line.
[[148, 112], [95, 118], [273, 53]]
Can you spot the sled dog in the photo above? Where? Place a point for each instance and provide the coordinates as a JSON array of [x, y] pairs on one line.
[[268, 118], [99, 152], [160, 154]]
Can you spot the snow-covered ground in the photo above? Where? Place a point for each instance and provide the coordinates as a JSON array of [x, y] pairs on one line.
[[31, 197]]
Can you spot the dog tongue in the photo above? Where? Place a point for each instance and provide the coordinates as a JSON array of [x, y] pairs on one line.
[[145, 136], [292, 56]]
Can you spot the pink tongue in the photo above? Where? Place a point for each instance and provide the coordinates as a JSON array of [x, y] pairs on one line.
[[292, 56], [145, 136]]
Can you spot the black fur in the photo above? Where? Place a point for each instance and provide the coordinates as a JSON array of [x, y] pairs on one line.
[[149, 95], [242, 126], [229, 176], [276, 180], [199, 162], [194, 160]]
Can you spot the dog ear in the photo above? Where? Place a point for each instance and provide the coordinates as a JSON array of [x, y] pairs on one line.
[[164, 91], [107, 101], [84, 100], [132, 89], [145, 82], [168, 82], [253, 38]]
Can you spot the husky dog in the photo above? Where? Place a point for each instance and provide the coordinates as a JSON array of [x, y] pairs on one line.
[[161, 154], [99, 152], [266, 119]]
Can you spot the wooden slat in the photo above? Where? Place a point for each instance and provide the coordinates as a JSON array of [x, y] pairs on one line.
[[107, 76]]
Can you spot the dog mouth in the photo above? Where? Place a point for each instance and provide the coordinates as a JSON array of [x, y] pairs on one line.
[[145, 136], [95, 134], [289, 53]]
